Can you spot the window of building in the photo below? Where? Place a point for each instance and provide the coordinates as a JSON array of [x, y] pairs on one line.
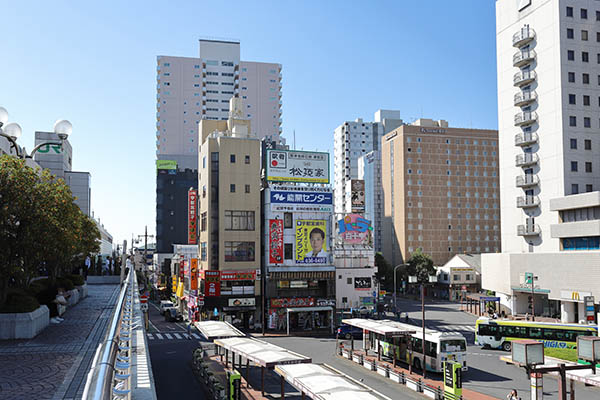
[[573, 144], [570, 55], [247, 159], [588, 188], [597, 15], [583, 13], [584, 35], [573, 166], [570, 34], [239, 251], [569, 11], [572, 120], [572, 99], [597, 36], [247, 188], [585, 56], [586, 100], [588, 166], [585, 79], [203, 221], [574, 188], [587, 122], [232, 188], [587, 144], [288, 251], [571, 77], [203, 252], [288, 220], [239, 220]]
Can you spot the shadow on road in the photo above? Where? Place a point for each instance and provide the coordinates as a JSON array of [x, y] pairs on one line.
[[479, 375]]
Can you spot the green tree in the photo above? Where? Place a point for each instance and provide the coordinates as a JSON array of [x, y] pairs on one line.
[[421, 265], [385, 272]]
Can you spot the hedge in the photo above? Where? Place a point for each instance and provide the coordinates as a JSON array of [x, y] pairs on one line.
[[18, 301]]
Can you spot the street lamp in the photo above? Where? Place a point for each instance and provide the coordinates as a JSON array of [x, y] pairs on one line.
[[13, 131], [395, 300], [432, 279]]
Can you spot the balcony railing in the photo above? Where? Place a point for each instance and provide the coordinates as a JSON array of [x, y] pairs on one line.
[[523, 78], [526, 138], [523, 160], [524, 36], [524, 98], [527, 180], [528, 201], [525, 118], [528, 230], [524, 57]]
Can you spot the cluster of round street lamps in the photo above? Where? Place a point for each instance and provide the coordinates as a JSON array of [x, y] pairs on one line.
[[12, 131]]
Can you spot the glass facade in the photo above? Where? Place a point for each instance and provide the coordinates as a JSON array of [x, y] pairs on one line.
[[581, 243]]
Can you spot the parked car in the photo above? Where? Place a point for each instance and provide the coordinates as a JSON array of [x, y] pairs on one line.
[[172, 314], [348, 331], [165, 304], [364, 311]]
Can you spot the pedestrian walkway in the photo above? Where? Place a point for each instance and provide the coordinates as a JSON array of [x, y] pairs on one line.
[[172, 336], [454, 328], [54, 364]]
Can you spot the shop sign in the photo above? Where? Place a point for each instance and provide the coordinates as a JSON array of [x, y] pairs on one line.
[[573, 295], [238, 275], [194, 274], [200, 301], [362, 283], [181, 270], [354, 229], [292, 302], [283, 284], [166, 164], [357, 192], [297, 166], [242, 302], [212, 284], [192, 211], [588, 302], [298, 284], [276, 241], [311, 241], [301, 201], [326, 302]]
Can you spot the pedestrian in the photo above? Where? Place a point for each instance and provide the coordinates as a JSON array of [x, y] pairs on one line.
[[189, 330], [513, 395]]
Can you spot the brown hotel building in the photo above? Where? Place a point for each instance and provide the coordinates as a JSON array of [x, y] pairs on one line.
[[440, 188]]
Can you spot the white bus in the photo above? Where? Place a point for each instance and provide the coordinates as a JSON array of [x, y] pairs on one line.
[[439, 347]]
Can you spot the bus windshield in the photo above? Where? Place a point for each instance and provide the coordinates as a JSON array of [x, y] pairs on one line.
[[453, 345]]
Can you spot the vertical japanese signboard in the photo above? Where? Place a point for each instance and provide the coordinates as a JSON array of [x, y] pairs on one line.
[[212, 284], [192, 216], [194, 274], [311, 243], [275, 241], [357, 194]]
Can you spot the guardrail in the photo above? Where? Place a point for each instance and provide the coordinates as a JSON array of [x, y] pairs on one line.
[[110, 373]]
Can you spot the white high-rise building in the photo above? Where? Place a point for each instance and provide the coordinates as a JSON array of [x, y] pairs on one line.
[[352, 140], [192, 89], [548, 64]]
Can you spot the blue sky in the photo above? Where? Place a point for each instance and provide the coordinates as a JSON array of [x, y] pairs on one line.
[[95, 64]]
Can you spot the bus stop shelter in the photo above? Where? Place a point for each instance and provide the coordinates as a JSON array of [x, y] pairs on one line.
[[321, 382], [475, 303], [262, 354], [309, 309], [385, 328], [217, 329]]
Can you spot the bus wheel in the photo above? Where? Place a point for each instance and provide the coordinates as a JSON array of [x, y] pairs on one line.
[[348, 336], [506, 346], [417, 363]]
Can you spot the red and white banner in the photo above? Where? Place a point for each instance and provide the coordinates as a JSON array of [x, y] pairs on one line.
[[276, 241], [192, 217], [212, 284], [238, 275], [292, 302]]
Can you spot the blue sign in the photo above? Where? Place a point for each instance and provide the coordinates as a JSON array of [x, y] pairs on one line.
[[308, 198]]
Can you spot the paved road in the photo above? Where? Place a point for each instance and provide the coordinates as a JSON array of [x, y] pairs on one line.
[[487, 374]]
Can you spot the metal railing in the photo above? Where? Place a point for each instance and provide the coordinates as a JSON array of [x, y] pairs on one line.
[[523, 36], [524, 97], [523, 57], [526, 138], [523, 77], [525, 118], [110, 373]]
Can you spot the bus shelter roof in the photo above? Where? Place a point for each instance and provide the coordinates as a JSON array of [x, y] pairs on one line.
[[261, 353], [217, 329], [383, 327], [321, 382]]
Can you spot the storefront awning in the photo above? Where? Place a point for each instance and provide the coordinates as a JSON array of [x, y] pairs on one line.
[[317, 308], [261, 353], [386, 327], [217, 329], [321, 382], [528, 290]]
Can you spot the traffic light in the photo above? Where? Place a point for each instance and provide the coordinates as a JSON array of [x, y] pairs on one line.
[[530, 302]]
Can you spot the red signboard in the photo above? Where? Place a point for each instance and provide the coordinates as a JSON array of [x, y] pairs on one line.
[[212, 284], [276, 241], [194, 274], [192, 216], [181, 270], [238, 275], [292, 302]]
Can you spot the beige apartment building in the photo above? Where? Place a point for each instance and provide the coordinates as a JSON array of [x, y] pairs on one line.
[[229, 210], [440, 188]]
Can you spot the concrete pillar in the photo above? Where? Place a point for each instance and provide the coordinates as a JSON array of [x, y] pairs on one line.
[[567, 311], [581, 311]]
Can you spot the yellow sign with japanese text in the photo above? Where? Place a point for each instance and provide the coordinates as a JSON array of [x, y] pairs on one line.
[[311, 241]]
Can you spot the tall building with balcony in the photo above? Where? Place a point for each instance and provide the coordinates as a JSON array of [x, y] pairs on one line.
[[548, 100], [352, 140], [440, 191]]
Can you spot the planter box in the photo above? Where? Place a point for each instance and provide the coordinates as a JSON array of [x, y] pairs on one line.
[[395, 376], [412, 385], [370, 365], [73, 298], [24, 325], [357, 359], [382, 370], [83, 291], [431, 393], [103, 280]]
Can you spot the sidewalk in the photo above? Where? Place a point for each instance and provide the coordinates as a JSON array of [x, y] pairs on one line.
[[54, 364]]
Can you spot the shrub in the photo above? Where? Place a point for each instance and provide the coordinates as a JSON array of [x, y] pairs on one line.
[[76, 279], [65, 283], [18, 301], [47, 295]]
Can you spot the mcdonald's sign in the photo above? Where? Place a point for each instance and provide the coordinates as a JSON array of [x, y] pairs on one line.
[[573, 295]]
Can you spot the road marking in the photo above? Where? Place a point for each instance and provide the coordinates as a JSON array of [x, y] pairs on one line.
[[185, 335], [158, 335], [196, 336], [168, 336], [150, 336], [177, 336], [152, 325]]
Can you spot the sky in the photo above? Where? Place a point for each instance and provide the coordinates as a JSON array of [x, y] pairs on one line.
[[94, 63]]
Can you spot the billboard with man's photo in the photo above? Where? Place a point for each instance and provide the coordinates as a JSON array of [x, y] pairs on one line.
[[311, 241]]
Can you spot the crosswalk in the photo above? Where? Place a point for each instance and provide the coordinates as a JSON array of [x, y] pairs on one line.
[[171, 336], [454, 328]]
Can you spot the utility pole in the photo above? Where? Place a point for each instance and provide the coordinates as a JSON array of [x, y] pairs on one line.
[[424, 366]]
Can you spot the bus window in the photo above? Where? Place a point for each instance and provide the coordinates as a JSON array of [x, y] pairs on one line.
[[431, 349], [453, 345], [488, 330], [535, 333], [417, 345]]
